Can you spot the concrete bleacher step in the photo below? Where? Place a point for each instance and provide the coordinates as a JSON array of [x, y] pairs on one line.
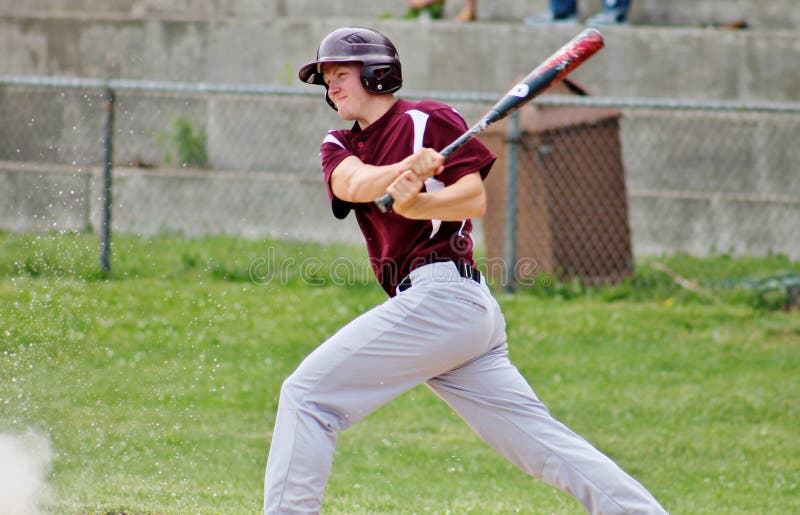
[[638, 61], [760, 14], [764, 14]]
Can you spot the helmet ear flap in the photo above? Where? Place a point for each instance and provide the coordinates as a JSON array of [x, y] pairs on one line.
[[382, 77]]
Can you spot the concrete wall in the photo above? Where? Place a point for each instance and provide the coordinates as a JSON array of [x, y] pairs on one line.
[[51, 126], [39, 198], [43, 198], [739, 170], [759, 14], [696, 182], [663, 223], [244, 133], [239, 203], [764, 14], [484, 57], [713, 182], [194, 203], [690, 189]]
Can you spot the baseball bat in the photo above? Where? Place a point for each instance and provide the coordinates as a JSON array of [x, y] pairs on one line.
[[554, 68]]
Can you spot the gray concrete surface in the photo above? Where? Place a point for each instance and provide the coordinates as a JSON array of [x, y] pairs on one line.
[[696, 181], [53, 198], [51, 126], [704, 224], [690, 187], [36, 198], [244, 133], [759, 14], [771, 14], [445, 56], [196, 202], [751, 154]]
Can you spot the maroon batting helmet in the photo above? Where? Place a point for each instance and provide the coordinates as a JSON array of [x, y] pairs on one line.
[[380, 64]]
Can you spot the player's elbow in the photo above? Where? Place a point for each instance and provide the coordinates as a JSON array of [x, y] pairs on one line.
[[473, 207], [354, 189], [473, 195], [360, 192], [480, 204], [348, 190], [346, 182]]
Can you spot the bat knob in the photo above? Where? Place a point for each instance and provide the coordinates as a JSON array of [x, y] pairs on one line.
[[384, 202]]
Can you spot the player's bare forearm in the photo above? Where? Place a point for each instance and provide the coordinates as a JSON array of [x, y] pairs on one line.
[[466, 198], [355, 181]]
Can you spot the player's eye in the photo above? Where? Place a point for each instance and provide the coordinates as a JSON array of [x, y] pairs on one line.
[[327, 78]]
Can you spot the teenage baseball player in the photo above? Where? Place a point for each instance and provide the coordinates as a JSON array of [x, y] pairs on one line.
[[440, 326]]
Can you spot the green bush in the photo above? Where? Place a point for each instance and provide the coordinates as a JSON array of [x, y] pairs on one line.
[[186, 143]]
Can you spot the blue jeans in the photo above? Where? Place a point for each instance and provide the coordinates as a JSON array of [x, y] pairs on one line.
[[564, 8]]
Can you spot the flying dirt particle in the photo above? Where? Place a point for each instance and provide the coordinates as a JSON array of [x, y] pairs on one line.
[[24, 462]]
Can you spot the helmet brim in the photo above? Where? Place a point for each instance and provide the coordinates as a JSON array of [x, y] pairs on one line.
[[312, 74]]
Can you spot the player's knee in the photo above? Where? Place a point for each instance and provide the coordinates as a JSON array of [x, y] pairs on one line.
[[297, 395], [293, 392]]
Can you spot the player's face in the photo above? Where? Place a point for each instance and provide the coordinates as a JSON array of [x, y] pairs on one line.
[[345, 89]]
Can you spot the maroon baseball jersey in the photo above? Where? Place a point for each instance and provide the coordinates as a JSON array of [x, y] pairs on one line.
[[397, 245]]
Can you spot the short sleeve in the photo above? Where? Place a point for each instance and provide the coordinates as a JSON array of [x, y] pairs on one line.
[[333, 152]]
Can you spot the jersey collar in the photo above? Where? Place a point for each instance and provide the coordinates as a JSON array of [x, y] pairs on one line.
[[381, 122]]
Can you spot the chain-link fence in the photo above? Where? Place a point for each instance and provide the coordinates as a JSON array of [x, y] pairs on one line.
[[582, 189], [598, 182]]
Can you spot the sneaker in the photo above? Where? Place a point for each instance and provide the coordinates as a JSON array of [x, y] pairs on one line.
[[608, 18], [547, 18]]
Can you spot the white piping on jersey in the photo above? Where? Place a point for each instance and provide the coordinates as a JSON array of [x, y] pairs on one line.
[[432, 185], [467, 235], [420, 120], [461, 229], [330, 138]]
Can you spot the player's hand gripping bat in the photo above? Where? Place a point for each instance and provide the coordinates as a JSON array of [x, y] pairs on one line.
[[553, 69]]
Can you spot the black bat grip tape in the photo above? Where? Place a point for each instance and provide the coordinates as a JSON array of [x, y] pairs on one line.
[[384, 202]]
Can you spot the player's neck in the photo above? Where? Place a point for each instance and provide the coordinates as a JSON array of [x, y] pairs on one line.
[[377, 107]]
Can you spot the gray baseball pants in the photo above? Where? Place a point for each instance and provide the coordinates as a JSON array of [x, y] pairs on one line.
[[448, 332]]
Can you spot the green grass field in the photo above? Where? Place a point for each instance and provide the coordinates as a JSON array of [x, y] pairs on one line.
[[157, 383]]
